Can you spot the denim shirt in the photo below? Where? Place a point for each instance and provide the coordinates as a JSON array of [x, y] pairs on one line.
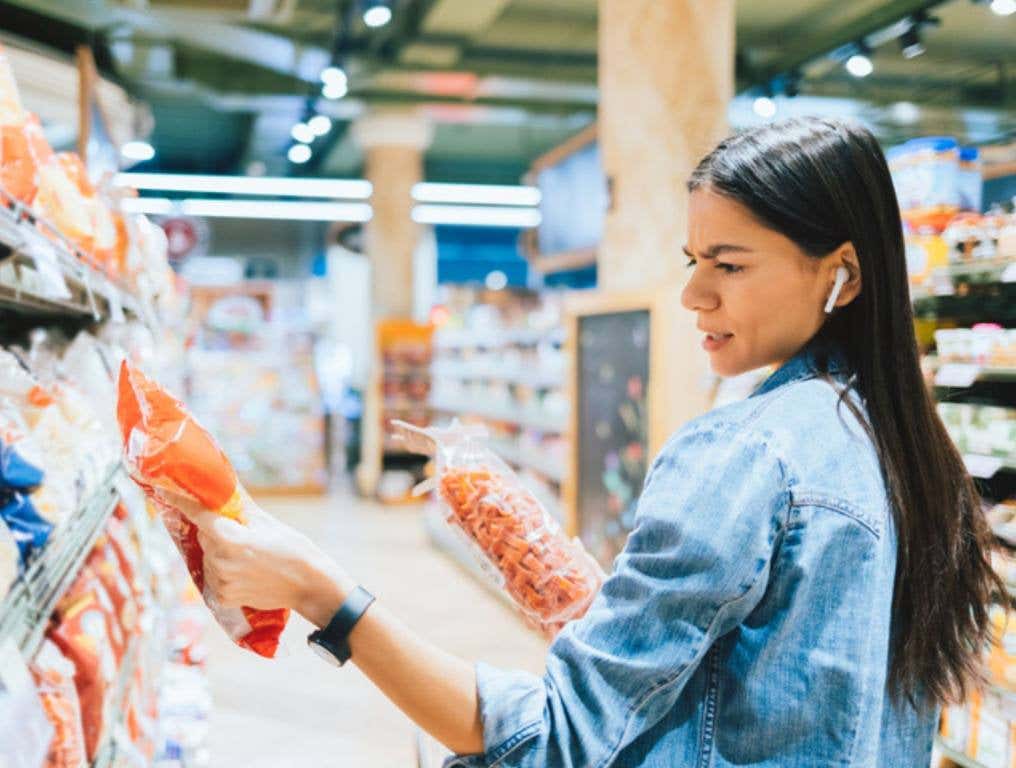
[[746, 622]]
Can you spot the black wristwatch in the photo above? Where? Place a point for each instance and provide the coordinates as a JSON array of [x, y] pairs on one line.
[[332, 642]]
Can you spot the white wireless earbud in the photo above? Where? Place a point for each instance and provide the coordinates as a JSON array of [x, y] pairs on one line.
[[841, 277]]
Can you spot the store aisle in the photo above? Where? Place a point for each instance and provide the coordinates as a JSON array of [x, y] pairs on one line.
[[297, 712]]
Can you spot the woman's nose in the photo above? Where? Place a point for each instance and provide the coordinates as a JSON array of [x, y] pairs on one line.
[[697, 296]]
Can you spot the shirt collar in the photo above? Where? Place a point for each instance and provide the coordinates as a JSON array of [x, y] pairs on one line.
[[816, 358]]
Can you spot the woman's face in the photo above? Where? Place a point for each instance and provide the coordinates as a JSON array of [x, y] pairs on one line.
[[758, 297]]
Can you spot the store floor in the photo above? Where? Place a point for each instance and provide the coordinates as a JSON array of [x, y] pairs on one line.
[[297, 712]]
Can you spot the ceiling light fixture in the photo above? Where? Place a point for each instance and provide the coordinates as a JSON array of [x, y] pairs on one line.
[[476, 194], [334, 91], [138, 151], [910, 43], [277, 209], [377, 15], [153, 206], [275, 186], [477, 216], [860, 65], [334, 75], [303, 133], [299, 153], [320, 125], [1003, 7]]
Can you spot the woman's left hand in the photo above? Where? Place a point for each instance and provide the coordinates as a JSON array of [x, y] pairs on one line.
[[266, 564]]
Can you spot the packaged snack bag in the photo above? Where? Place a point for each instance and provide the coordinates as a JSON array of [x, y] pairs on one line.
[[23, 148], [551, 578], [171, 456], [11, 111], [105, 563], [59, 201], [54, 677], [83, 632]]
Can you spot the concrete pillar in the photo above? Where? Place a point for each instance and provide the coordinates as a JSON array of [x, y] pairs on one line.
[[393, 144], [666, 76]]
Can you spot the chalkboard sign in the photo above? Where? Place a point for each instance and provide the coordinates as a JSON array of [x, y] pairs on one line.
[[612, 426]]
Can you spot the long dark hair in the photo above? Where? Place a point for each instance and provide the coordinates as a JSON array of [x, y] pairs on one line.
[[823, 183]]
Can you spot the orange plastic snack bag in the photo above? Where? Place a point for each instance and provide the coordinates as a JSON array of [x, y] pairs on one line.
[[550, 577], [169, 453], [23, 149], [86, 634], [54, 677]]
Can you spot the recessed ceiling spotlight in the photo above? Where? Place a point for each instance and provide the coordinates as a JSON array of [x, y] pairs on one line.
[[377, 15], [303, 133], [859, 65], [320, 125], [299, 154]]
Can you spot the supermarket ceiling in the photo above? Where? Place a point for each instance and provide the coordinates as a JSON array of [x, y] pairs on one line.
[[503, 80]]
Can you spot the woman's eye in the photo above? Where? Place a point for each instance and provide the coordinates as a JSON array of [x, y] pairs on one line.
[[691, 263], [730, 269]]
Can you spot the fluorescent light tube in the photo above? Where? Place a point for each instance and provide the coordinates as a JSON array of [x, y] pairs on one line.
[[277, 209], [153, 206], [477, 216], [347, 189], [476, 194]]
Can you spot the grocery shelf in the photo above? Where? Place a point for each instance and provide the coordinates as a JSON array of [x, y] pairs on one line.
[[530, 419], [512, 375], [107, 752], [986, 467], [987, 271], [25, 611], [963, 374], [496, 339], [32, 245], [957, 757], [535, 460]]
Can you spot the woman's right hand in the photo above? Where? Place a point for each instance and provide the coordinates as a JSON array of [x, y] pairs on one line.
[[265, 564]]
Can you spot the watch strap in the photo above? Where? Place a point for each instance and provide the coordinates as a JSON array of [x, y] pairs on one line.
[[335, 636]]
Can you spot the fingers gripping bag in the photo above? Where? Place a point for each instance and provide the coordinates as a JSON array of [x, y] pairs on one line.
[[171, 456], [549, 576]]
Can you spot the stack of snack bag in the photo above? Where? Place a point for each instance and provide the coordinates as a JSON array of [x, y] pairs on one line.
[[18, 479], [177, 463], [53, 427], [549, 577], [22, 144], [984, 726], [54, 677]]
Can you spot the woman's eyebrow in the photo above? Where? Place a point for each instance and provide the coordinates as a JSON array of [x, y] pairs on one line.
[[717, 250]]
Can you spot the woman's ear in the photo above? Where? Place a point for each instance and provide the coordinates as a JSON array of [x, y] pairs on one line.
[[846, 256]]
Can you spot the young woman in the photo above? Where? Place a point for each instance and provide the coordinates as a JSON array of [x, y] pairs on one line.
[[808, 578]]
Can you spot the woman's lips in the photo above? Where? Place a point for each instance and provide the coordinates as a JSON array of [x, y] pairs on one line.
[[714, 341]]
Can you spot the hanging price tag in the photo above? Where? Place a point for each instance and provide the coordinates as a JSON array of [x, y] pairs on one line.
[[25, 732], [957, 375], [984, 467]]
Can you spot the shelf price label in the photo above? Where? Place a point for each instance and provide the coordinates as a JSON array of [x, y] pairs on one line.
[[960, 375], [984, 467]]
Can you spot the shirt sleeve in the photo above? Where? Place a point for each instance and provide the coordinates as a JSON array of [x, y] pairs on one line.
[[696, 564]]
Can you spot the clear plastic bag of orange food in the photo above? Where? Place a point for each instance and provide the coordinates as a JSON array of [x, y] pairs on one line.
[[549, 576], [178, 464]]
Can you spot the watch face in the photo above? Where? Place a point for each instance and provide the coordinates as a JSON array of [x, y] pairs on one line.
[[324, 653]]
